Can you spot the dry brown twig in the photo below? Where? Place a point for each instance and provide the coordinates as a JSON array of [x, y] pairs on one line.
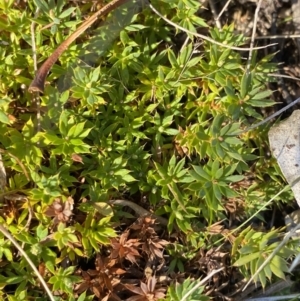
[[33, 46], [38, 83], [18, 161], [34, 57], [139, 210]]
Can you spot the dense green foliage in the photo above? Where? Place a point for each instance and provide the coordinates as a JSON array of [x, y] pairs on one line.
[[149, 119]]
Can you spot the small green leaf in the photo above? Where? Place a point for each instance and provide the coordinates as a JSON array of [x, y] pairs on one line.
[[41, 4], [200, 171], [246, 259], [172, 58], [67, 12], [262, 95], [246, 84], [179, 167], [234, 178], [4, 118], [278, 266], [95, 74]]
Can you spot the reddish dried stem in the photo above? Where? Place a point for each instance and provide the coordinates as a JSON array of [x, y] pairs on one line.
[[38, 84]]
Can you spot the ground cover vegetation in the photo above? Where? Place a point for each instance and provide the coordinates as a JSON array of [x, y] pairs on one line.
[[152, 118]]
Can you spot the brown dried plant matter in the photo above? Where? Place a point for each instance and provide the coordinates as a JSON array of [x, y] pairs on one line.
[[152, 244], [60, 211], [146, 291], [105, 281], [101, 280], [124, 248], [206, 261]]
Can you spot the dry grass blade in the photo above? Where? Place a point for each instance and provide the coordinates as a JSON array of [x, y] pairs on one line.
[[34, 57]]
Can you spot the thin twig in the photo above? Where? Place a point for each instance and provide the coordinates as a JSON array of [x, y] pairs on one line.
[[281, 84], [240, 296], [253, 36], [258, 73], [214, 12], [223, 9], [279, 75], [212, 273], [254, 214], [197, 45], [36, 97], [275, 298], [43, 282], [30, 215], [33, 45], [294, 263], [280, 36], [184, 44], [38, 83], [205, 37], [269, 118], [272, 289], [18, 161], [3, 176], [276, 250], [47, 26], [139, 210]]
